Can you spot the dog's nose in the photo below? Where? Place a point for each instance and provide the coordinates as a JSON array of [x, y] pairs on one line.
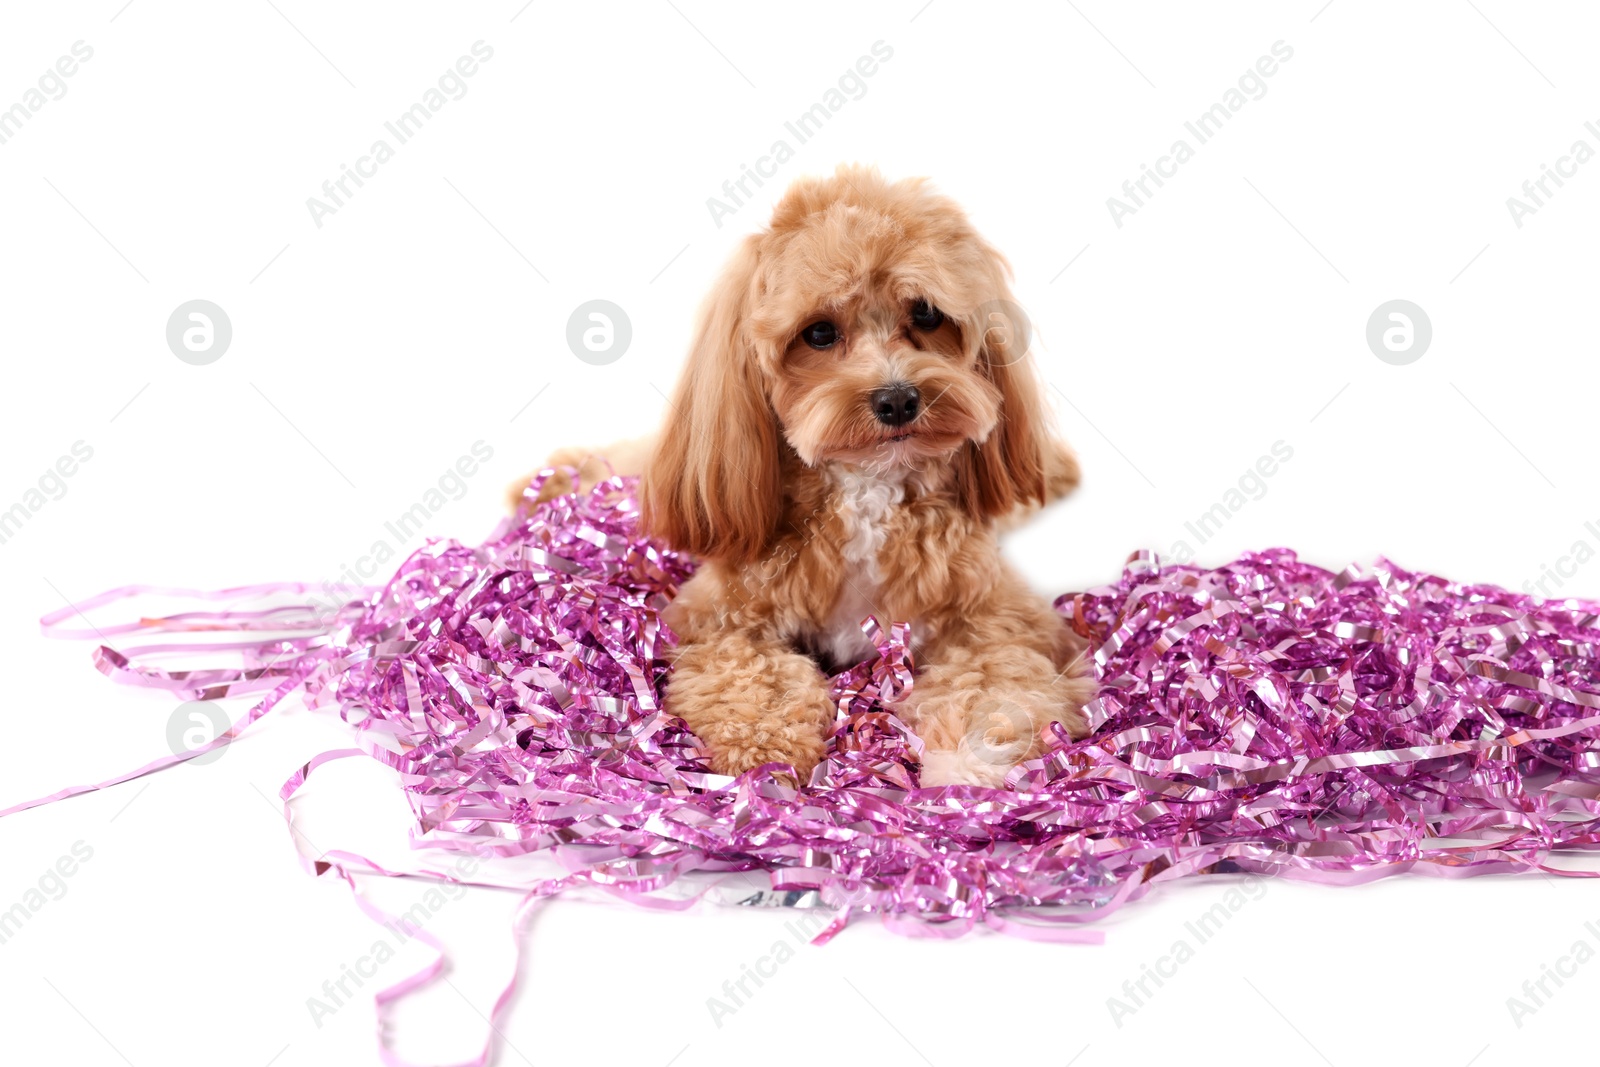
[[897, 404]]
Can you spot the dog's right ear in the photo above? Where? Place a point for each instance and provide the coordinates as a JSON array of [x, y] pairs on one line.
[[712, 487]]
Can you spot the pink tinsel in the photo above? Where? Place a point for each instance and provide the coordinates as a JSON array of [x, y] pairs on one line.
[[1266, 716]]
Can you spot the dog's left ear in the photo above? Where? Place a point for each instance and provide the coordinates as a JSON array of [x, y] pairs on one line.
[[1009, 468]]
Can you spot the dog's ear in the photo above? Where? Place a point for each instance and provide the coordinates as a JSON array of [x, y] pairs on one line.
[[713, 487], [1008, 468]]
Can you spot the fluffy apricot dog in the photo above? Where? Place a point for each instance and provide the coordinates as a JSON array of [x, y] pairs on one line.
[[857, 418]]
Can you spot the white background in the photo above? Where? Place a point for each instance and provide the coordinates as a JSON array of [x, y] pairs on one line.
[[368, 354]]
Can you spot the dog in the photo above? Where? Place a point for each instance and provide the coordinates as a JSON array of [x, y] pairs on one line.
[[857, 421]]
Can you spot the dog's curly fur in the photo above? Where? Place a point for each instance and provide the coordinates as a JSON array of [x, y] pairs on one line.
[[810, 512]]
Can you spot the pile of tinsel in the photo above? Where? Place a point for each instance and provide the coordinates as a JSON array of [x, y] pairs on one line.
[[1267, 716]]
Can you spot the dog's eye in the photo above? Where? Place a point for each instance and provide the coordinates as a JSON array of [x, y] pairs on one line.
[[924, 316], [820, 334]]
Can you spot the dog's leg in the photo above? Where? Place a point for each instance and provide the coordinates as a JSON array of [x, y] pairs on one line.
[[981, 703], [752, 701], [593, 465]]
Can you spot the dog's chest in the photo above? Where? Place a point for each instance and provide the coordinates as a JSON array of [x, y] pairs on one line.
[[864, 506]]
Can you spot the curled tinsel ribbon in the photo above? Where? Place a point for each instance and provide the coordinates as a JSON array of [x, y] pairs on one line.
[[1334, 726], [1267, 716]]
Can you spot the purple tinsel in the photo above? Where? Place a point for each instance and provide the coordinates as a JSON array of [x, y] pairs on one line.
[[1267, 716]]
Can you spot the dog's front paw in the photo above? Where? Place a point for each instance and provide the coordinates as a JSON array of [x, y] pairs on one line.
[[749, 701], [800, 753], [742, 742]]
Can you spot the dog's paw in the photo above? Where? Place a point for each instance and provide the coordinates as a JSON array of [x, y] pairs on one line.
[[963, 766], [591, 468], [518, 501], [801, 753]]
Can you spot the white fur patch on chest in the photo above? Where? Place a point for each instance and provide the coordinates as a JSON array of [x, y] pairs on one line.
[[864, 501]]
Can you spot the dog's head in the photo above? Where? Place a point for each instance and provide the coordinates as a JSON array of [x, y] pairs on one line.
[[869, 325]]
